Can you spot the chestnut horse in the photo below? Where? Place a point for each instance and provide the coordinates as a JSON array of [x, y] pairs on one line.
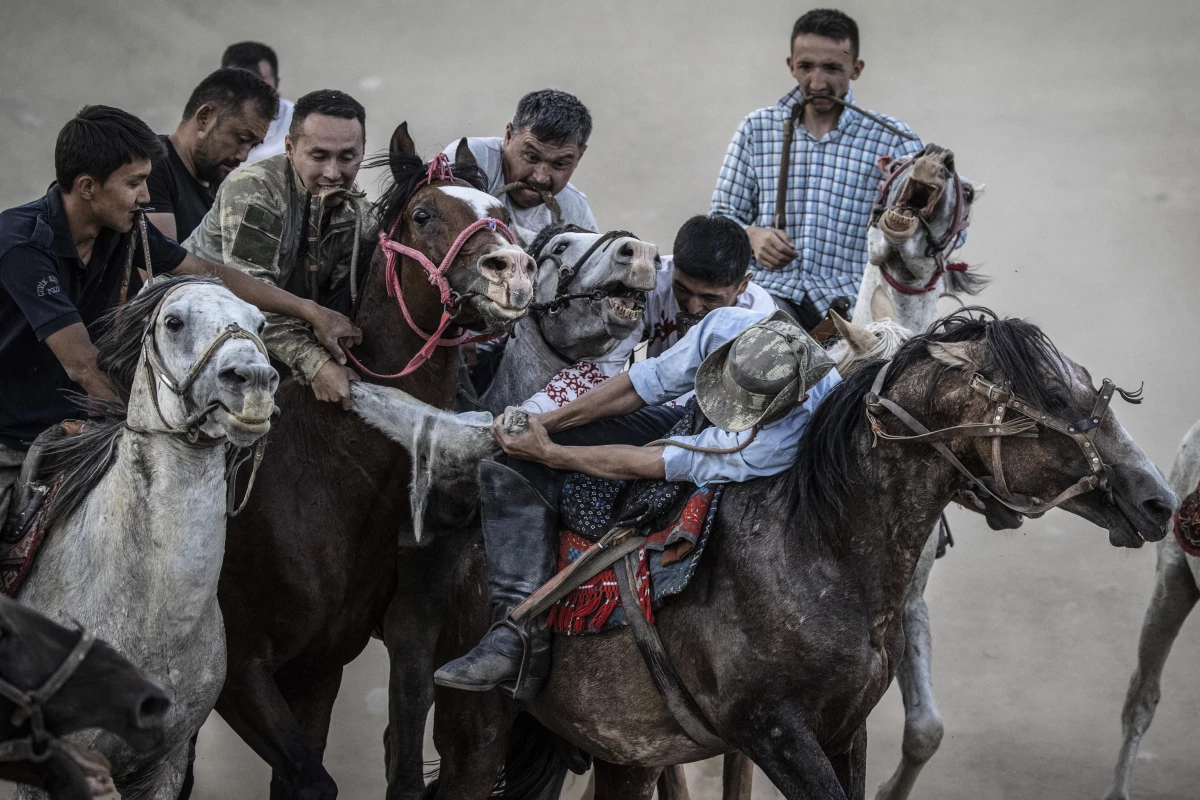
[[311, 563]]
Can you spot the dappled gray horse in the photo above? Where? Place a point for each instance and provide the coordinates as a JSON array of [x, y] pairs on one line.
[[1176, 590], [136, 532]]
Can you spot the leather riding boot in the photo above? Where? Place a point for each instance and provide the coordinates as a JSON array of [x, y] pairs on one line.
[[521, 540]]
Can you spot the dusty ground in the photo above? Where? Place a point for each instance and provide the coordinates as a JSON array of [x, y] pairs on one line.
[[1080, 117]]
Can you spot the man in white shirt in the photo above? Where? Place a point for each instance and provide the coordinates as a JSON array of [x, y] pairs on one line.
[[261, 60], [709, 270], [540, 150]]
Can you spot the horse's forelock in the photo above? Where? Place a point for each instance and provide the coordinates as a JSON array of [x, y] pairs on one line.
[[407, 171]]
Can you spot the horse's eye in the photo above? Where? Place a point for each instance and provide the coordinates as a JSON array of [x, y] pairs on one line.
[[262, 326], [968, 193], [174, 324], [420, 216], [561, 248]]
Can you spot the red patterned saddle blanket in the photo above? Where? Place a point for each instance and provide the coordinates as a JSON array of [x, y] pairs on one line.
[[665, 564], [1187, 524]]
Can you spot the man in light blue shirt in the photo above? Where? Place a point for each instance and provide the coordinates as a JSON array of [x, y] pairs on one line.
[[757, 377]]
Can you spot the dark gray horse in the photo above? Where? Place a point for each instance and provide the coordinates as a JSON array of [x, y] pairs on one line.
[[791, 629]]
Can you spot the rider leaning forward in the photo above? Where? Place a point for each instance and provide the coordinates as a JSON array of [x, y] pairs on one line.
[[298, 221], [758, 378], [833, 174], [63, 263]]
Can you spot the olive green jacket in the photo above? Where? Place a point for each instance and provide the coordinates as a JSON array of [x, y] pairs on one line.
[[257, 224]]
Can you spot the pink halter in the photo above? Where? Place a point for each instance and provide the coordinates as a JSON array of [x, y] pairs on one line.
[[439, 170]]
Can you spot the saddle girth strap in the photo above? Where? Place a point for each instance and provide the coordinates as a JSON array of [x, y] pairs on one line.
[[675, 694]]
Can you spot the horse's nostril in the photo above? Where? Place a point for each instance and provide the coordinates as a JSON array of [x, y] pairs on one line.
[[152, 710], [626, 250], [1157, 508], [233, 375]]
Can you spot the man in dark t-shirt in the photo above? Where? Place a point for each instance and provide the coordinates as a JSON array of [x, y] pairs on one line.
[[62, 262], [226, 116]]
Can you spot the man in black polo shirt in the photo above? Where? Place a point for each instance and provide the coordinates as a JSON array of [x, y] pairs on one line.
[[226, 116], [62, 261]]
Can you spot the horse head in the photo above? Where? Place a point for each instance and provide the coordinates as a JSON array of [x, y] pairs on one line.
[[428, 209], [104, 690], [590, 291], [198, 366], [923, 205], [1060, 442]]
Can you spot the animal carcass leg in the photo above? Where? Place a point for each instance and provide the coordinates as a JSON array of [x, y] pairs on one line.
[[922, 721], [254, 707], [1175, 593]]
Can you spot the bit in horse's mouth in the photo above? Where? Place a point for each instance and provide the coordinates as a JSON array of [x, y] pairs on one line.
[[626, 302]]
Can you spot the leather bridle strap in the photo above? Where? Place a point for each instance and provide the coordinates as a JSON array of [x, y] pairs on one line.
[[29, 706]]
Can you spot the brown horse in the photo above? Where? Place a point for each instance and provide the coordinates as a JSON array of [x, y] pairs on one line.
[[311, 563], [790, 631]]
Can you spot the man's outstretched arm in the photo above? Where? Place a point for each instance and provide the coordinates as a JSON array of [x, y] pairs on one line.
[[613, 462], [613, 398]]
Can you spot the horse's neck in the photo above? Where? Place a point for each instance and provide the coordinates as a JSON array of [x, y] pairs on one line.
[[915, 311], [527, 366], [141, 555]]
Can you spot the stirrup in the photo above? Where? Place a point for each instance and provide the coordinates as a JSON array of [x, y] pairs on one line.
[[519, 688]]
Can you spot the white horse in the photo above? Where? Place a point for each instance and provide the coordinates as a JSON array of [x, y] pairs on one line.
[[1176, 589], [137, 530]]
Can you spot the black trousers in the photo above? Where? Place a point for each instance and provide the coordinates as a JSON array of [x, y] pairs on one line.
[[636, 429]]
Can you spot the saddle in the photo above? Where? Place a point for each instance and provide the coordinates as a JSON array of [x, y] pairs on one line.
[[22, 534]]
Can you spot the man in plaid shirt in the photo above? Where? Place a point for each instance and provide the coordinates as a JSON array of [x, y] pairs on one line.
[[833, 177]]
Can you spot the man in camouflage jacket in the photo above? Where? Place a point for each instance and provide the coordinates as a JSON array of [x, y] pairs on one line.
[[268, 215]]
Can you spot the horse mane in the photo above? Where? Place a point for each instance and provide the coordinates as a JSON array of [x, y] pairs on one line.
[[965, 282], [77, 463], [407, 170], [827, 469]]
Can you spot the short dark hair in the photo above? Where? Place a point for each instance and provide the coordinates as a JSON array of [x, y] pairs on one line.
[[331, 103], [229, 89], [554, 117], [827, 22], [99, 141], [247, 55], [713, 249]]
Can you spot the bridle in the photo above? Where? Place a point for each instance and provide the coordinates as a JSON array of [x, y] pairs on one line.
[[36, 746], [568, 272], [157, 373], [1002, 399], [439, 170], [938, 248]]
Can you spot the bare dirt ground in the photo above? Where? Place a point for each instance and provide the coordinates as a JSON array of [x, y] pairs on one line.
[[1080, 117]]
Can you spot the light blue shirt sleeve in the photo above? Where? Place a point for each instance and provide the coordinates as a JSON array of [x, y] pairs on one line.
[[673, 373], [771, 452]]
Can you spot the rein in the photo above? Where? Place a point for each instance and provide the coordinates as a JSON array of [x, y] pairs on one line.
[[789, 128], [36, 746], [190, 428], [439, 170], [1083, 432]]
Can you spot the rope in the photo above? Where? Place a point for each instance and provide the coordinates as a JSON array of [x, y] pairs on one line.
[[550, 201], [711, 451]]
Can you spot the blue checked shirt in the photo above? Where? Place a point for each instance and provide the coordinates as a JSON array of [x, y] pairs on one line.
[[832, 185]]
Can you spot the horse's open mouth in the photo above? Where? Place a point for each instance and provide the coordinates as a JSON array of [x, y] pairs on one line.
[[94, 766], [921, 197], [624, 302]]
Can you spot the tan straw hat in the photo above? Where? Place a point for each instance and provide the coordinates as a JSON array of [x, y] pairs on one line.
[[760, 374]]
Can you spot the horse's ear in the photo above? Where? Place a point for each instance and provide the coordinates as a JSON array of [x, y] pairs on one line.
[[401, 141], [860, 340], [882, 306], [885, 165], [463, 155], [960, 355]]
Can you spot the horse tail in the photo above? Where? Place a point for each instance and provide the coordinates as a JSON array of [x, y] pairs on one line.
[[534, 768]]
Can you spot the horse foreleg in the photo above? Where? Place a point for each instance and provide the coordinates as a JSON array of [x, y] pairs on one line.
[[779, 742], [851, 766], [1175, 593], [922, 721], [472, 732], [737, 777], [256, 710], [672, 784], [626, 783], [410, 630]]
